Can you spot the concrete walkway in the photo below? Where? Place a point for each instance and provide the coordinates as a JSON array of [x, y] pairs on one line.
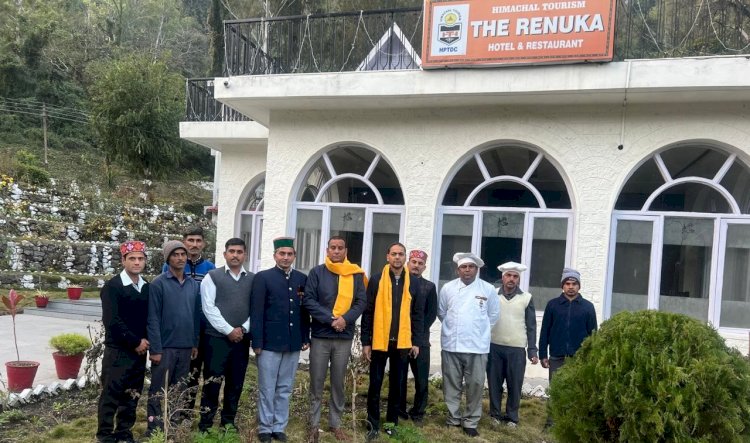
[[34, 333]]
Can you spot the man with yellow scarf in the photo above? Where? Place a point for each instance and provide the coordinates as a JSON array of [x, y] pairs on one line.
[[390, 332], [335, 297]]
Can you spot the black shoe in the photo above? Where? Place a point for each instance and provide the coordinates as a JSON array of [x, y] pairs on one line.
[[403, 416], [372, 434], [280, 436], [471, 432], [390, 432], [265, 437]]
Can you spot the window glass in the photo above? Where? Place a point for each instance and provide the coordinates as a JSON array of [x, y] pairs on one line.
[[691, 197], [309, 229], [639, 187], [737, 182], [386, 182], [548, 181], [507, 194], [255, 197], [686, 266], [547, 259], [246, 233], [508, 160], [502, 241], [456, 237], [693, 161], [349, 190], [467, 178], [349, 223], [632, 266], [385, 231], [314, 181], [352, 159], [735, 294]]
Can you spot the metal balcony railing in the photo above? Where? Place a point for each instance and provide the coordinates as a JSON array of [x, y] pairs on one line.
[[201, 106], [347, 41]]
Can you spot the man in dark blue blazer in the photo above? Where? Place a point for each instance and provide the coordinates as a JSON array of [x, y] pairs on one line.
[[280, 328]]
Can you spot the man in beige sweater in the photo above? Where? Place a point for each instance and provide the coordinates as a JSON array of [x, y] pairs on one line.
[[513, 340]]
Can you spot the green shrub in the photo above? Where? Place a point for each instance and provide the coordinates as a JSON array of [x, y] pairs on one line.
[[70, 344], [652, 377], [32, 174]]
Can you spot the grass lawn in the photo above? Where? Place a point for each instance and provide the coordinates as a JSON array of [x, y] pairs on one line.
[[72, 418]]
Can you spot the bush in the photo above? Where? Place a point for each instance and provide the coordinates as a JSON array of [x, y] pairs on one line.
[[652, 376], [70, 344]]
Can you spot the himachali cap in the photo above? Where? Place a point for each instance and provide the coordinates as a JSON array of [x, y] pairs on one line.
[[283, 242], [132, 246], [512, 266], [418, 253], [460, 258]]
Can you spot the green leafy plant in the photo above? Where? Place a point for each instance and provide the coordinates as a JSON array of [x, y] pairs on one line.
[[70, 344], [652, 376], [228, 435]]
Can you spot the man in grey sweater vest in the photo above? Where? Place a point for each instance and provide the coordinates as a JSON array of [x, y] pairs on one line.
[[513, 340], [225, 296]]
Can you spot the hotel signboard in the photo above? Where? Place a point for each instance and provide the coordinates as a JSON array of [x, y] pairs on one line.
[[506, 32]]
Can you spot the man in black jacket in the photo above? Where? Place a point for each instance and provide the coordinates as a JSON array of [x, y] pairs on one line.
[[420, 365], [391, 332], [335, 297], [124, 313]]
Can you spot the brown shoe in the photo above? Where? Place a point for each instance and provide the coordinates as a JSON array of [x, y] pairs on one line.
[[313, 435], [340, 434]]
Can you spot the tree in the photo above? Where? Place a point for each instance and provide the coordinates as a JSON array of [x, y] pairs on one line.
[[136, 106]]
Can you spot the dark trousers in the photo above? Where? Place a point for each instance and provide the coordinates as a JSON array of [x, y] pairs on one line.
[[398, 358], [420, 367], [505, 364], [196, 369], [122, 383], [170, 376], [224, 361], [555, 363]]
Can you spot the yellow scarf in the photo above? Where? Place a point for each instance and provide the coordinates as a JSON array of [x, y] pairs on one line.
[[345, 271], [381, 326]]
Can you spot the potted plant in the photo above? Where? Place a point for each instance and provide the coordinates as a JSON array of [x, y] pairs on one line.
[[70, 349], [20, 373], [74, 292], [41, 299]]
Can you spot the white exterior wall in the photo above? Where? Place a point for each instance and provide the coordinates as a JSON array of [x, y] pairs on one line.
[[425, 147], [240, 165]]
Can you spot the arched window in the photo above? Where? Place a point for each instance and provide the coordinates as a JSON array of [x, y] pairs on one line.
[[350, 191], [681, 237], [251, 224], [508, 203]]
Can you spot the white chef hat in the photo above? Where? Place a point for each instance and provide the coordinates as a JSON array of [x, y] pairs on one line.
[[460, 258]]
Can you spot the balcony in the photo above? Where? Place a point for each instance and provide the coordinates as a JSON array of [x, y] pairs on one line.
[[352, 41], [200, 105]]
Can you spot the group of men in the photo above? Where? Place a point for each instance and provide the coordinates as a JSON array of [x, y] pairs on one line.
[[195, 319]]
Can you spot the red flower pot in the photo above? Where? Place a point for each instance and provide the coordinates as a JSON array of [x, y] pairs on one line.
[[67, 366], [41, 302], [75, 293], [21, 374]]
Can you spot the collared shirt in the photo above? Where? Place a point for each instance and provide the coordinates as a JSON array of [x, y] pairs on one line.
[[566, 323], [127, 281], [208, 299], [468, 313]]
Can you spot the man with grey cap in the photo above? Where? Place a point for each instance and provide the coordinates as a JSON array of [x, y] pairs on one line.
[[568, 320], [173, 327], [511, 335], [468, 307]]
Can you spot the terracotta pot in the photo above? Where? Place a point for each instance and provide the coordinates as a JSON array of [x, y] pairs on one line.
[[21, 374], [74, 293], [41, 302], [67, 366]]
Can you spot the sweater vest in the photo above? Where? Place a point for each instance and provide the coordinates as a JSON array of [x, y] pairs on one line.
[[232, 298], [510, 329]]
